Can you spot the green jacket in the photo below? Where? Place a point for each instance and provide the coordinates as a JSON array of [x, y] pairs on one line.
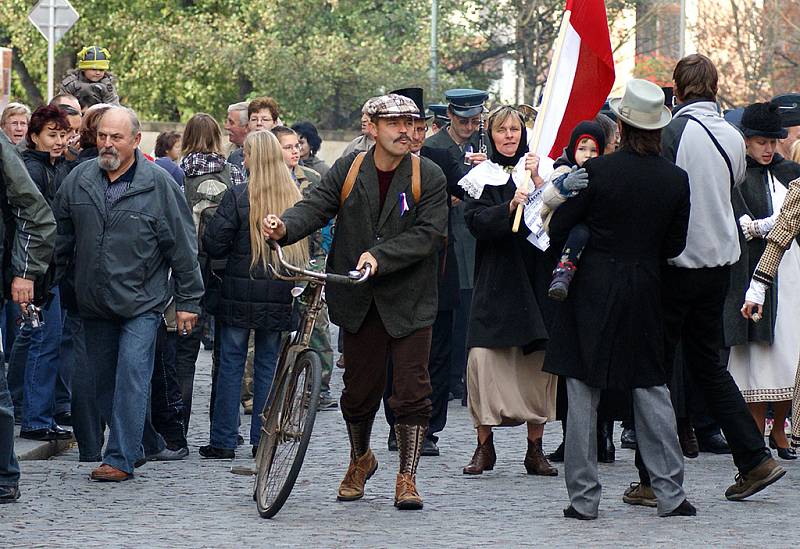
[[307, 179], [406, 244], [29, 227]]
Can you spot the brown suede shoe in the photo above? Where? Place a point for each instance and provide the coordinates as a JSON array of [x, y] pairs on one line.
[[767, 472], [639, 494], [358, 473], [406, 496], [535, 461], [483, 459], [107, 473]]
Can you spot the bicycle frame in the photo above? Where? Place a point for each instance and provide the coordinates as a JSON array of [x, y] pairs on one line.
[[299, 343]]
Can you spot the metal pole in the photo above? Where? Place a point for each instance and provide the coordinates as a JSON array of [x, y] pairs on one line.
[[682, 31], [51, 41], [434, 70]]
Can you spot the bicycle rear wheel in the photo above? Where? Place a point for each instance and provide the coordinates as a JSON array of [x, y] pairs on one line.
[[286, 433]]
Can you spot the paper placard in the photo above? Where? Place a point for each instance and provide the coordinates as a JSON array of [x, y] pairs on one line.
[[533, 220]]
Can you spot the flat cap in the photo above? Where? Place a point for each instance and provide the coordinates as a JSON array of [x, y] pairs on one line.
[[390, 105]]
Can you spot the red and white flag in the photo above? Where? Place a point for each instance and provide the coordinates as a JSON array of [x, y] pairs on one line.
[[581, 76]]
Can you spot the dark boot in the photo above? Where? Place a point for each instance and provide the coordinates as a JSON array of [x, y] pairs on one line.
[[562, 276], [362, 461], [410, 439], [558, 455], [628, 438], [687, 438], [483, 459], [391, 443], [606, 452], [535, 461]]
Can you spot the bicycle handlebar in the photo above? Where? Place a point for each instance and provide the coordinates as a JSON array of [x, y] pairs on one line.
[[353, 277]]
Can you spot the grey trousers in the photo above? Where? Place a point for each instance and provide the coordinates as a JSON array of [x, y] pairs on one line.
[[656, 435]]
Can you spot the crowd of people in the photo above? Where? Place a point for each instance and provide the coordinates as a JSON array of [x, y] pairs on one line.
[[667, 298]]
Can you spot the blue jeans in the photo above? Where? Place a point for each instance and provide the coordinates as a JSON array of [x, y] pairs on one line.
[[9, 468], [122, 354], [233, 354], [41, 367]]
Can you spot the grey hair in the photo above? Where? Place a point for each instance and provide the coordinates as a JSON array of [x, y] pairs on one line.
[[15, 108], [242, 108], [136, 127]]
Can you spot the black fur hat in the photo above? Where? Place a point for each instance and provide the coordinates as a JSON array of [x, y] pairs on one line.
[[763, 120]]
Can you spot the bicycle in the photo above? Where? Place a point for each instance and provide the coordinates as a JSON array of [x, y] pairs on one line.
[[289, 413]]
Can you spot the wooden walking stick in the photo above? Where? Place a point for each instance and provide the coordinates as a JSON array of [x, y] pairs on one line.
[[542, 111]]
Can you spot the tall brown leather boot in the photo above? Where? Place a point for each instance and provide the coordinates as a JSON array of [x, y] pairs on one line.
[[362, 461], [409, 445], [535, 461], [483, 459]]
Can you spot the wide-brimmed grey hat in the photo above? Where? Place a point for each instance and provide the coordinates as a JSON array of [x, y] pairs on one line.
[[642, 106]]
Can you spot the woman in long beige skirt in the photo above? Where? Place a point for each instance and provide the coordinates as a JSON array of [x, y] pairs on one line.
[[507, 325]]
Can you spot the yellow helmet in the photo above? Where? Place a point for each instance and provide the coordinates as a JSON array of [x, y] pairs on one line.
[[94, 57]]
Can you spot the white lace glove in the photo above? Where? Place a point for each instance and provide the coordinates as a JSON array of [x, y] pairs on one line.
[[756, 293], [756, 228]]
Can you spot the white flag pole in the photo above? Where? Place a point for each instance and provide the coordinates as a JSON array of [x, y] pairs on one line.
[[548, 92]]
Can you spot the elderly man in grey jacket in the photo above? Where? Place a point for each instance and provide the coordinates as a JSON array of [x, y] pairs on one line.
[[29, 239], [123, 224]]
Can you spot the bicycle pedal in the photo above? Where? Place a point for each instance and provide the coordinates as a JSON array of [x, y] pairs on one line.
[[243, 471]]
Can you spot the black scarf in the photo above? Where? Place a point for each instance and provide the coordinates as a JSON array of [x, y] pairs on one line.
[[503, 160]]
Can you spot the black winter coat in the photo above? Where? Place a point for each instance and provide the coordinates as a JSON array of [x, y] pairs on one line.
[[250, 299], [47, 176], [753, 197], [509, 302], [448, 264], [609, 331]]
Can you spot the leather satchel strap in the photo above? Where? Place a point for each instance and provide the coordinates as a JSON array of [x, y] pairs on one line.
[[350, 180], [352, 174], [416, 190]]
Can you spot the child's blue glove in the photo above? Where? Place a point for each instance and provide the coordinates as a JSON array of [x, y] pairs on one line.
[[570, 183]]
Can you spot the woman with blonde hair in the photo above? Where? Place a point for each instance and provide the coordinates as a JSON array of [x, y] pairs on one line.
[[509, 319], [250, 299]]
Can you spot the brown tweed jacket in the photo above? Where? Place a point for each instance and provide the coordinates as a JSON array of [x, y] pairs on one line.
[[786, 229]]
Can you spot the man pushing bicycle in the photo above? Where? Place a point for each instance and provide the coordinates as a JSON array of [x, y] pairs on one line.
[[391, 213]]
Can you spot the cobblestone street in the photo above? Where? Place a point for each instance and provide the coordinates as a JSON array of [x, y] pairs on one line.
[[200, 503]]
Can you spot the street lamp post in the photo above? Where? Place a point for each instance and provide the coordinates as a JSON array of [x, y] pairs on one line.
[[434, 70]]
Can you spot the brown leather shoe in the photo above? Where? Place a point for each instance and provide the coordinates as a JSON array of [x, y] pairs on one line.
[[107, 473], [483, 459], [358, 473], [535, 461], [406, 496]]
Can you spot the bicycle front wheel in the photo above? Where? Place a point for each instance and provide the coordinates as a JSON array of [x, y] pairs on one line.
[[286, 433]]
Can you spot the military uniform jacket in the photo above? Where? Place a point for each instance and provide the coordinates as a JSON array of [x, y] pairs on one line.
[[463, 241], [405, 243]]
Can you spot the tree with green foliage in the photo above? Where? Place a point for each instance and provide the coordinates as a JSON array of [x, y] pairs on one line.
[[320, 59]]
